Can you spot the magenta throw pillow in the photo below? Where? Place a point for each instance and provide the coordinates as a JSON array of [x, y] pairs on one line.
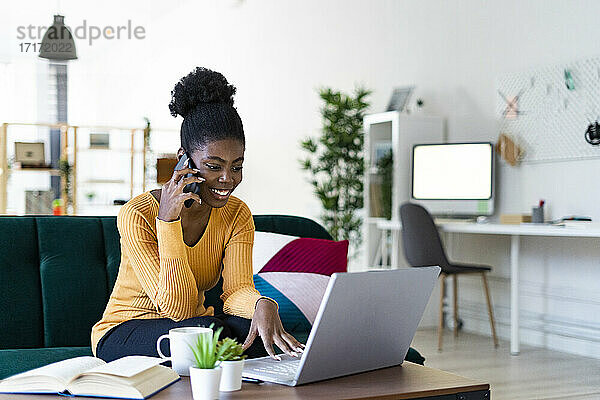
[[318, 256]]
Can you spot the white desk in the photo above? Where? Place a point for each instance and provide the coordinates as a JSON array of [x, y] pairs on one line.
[[515, 232]]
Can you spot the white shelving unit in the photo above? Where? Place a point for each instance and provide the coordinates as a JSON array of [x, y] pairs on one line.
[[397, 132], [121, 171]]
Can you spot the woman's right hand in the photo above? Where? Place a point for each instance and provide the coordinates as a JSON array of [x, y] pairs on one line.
[[172, 196]]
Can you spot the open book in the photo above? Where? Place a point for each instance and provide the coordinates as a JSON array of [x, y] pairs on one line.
[[133, 377]]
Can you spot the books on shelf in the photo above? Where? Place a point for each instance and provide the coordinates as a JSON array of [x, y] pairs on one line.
[[132, 377]]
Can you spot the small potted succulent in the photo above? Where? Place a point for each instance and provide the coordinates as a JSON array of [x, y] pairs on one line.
[[90, 196], [205, 374], [232, 364]]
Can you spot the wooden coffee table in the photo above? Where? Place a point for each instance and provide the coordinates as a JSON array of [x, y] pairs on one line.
[[409, 381]]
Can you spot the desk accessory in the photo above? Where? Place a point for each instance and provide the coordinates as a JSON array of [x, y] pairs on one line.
[[509, 150], [576, 218], [569, 82], [514, 219], [511, 111], [592, 133], [551, 102], [574, 221], [537, 213]]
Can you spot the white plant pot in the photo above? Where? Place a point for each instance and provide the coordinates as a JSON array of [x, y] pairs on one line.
[[205, 383], [231, 378]]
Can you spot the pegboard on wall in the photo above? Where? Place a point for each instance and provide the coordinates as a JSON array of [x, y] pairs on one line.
[[547, 111]]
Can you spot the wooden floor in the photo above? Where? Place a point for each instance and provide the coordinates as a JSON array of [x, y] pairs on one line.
[[534, 374]]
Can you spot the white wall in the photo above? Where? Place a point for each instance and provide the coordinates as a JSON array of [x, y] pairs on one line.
[[278, 53]]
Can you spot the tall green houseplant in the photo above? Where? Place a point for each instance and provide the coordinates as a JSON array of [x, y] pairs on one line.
[[336, 163], [66, 173]]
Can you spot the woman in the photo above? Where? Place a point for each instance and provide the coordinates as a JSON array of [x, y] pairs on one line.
[[172, 254]]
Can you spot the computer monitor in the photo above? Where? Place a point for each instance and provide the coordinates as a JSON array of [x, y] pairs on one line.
[[454, 179]]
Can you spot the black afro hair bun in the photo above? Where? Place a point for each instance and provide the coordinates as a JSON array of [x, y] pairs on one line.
[[200, 86]]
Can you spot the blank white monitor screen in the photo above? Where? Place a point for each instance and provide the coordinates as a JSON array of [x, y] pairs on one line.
[[461, 171]]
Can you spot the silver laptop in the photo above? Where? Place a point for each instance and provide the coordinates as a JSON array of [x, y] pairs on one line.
[[366, 321]]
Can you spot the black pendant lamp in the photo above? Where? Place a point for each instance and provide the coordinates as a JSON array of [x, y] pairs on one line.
[[58, 43]]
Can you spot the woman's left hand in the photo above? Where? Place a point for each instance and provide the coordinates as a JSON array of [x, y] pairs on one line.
[[267, 324]]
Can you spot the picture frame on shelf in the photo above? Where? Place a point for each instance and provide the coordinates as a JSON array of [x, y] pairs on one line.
[[30, 154], [99, 140], [399, 99]]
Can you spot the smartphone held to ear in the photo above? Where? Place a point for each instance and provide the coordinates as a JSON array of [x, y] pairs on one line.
[[192, 187]]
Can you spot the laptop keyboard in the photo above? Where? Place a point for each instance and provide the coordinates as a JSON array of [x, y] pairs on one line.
[[283, 368]]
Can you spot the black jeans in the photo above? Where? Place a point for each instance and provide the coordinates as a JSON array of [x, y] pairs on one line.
[[138, 336]]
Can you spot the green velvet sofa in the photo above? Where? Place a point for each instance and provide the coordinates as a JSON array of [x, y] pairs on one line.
[[56, 275]]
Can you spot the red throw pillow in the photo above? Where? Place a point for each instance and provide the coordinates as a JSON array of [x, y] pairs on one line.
[[317, 256]]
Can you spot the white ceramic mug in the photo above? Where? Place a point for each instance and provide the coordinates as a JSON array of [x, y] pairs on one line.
[[181, 340]]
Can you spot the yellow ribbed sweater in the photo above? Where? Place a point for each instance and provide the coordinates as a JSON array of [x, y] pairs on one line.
[[162, 277]]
